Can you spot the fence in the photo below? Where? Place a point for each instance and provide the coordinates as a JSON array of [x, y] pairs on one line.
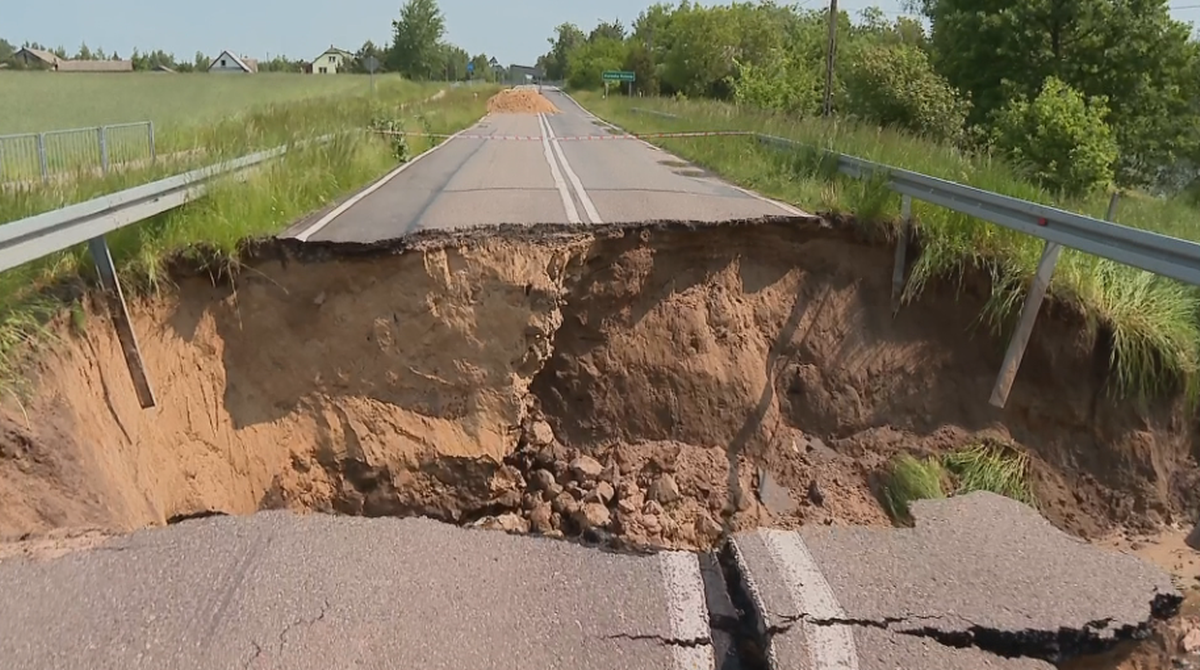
[[33, 156]]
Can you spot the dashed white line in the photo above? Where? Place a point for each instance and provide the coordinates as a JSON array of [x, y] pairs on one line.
[[830, 647], [588, 206], [357, 197], [556, 174], [688, 611]]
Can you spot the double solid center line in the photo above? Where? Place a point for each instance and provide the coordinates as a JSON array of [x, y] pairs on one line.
[[551, 149]]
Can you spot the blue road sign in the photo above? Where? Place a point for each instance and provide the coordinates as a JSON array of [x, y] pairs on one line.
[[470, 67]]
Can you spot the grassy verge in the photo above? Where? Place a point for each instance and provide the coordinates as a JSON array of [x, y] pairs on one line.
[[982, 466], [1154, 323], [212, 229]]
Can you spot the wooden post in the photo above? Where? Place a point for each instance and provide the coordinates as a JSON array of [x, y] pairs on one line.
[[120, 316], [901, 251]]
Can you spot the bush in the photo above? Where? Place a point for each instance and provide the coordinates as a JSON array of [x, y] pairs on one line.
[[896, 85], [782, 85], [1059, 138]]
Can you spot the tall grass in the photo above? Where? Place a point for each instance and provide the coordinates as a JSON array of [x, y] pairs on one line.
[[986, 465], [1154, 321], [212, 229]]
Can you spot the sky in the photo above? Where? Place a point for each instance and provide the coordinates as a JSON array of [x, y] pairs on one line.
[[514, 31]]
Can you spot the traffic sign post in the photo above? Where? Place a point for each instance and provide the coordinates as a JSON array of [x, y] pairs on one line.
[[372, 64], [470, 70], [618, 75]]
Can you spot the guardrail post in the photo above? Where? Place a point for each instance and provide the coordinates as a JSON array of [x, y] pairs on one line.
[[901, 252], [150, 134], [1029, 312], [103, 134], [120, 316], [1112, 206], [41, 149]]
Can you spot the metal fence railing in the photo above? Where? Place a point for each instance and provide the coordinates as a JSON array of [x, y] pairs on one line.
[[31, 157]]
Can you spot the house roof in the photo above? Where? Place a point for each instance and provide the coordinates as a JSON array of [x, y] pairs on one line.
[[246, 64], [334, 50], [95, 66], [44, 56]]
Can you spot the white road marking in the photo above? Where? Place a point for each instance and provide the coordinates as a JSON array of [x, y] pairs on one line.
[[687, 610], [830, 647], [758, 196], [357, 197], [582, 194], [559, 182]]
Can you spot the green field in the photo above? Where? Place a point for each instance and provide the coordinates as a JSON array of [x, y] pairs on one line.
[[76, 99]]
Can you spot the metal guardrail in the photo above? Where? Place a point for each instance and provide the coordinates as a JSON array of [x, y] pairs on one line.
[[33, 156], [43, 234], [1160, 254]]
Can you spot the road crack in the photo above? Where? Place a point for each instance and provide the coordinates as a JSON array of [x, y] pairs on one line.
[[669, 641], [260, 652]]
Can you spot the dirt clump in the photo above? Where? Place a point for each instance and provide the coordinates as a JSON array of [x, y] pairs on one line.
[[643, 385], [520, 101]]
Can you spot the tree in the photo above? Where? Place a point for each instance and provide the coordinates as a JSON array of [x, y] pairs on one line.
[[1128, 51], [606, 30], [416, 49], [1060, 138], [568, 37], [895, 85], [6, 50], [587, 63]]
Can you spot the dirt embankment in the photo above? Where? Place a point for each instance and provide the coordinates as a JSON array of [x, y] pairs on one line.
[[643, 382], [520, 101]]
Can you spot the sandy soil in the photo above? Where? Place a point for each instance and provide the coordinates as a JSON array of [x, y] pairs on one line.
[[645, 385], [520, 101]]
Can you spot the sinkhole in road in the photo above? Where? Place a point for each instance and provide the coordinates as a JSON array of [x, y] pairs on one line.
[[654, 384]]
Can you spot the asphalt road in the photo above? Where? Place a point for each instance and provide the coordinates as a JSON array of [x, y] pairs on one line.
[[547, 177], [980, 571], [318, 592]]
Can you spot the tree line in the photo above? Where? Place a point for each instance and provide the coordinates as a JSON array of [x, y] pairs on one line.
[[1080, 94], [418, 51]]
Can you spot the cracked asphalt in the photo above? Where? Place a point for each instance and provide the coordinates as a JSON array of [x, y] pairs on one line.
[[277, 590], [981, 582]]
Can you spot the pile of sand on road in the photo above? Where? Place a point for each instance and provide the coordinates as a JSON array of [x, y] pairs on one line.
[[520, 101]]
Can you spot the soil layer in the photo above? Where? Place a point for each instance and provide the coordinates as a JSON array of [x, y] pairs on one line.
[[520, 101]]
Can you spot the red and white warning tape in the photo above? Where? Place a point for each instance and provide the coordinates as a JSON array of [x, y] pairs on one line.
[[573, 138]]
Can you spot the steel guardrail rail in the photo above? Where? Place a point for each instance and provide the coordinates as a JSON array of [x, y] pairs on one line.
[[1160, 254], [40, 235]]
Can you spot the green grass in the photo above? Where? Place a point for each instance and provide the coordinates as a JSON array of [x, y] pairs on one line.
[[1154, 322], [987, 465], [211, 231], [187, 109], [77, 99]]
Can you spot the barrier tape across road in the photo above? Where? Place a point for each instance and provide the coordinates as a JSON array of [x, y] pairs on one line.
[[573, 138]]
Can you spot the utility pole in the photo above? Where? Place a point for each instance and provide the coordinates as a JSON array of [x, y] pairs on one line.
[[829, 57]]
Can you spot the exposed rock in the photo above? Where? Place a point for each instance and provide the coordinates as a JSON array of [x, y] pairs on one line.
[[1190, 643], [777, 499], [510, 499], [564, 503], [591, 515], [586, 468], [611, 472], [530, 501], [815, 495], [513, 523], [652, 508], [631, 504], [665, 490], [541, 434], [707, 527], [602, 494], [541, 518], [542, 480], [651, 524]]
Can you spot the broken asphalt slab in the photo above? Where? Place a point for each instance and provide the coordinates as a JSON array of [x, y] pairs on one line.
[[981, 581], [276, 590]]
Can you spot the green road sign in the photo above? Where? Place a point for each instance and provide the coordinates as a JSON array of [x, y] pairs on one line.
[[618, 75]]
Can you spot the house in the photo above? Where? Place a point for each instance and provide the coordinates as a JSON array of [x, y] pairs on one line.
[[94, 66], [36, 58], [331, 61], [227, 62]]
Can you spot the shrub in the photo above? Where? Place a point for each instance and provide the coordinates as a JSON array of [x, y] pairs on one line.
[[1059, 138], [896, 85]]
